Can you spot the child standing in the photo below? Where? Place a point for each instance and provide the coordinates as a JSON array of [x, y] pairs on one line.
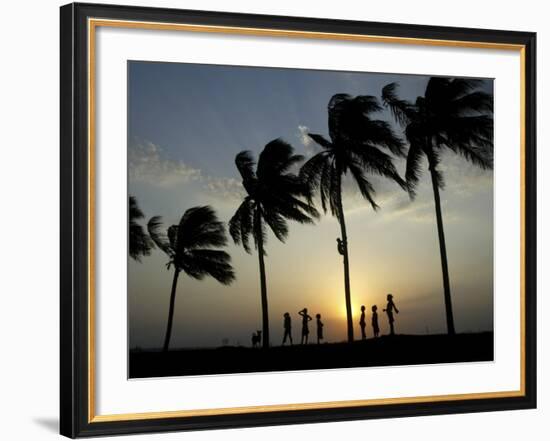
[[363, 323], [390, 307], [374, 321], [319, 328]]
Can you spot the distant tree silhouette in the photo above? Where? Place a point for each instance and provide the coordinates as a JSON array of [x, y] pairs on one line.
[[140, 243], [452, 114], [192, 248], [356, 146], [274, 195]]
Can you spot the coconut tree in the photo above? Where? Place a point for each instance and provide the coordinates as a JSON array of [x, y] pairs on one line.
[[192, 247], [453, 114], [140, 243], [360, 146], [275, 194]]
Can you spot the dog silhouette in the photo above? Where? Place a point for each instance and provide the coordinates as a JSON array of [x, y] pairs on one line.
[[256, 338]]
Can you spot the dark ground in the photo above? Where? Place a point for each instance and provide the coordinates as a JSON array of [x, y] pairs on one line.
[[384, 351]]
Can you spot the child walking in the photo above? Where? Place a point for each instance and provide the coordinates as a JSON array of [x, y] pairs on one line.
[[287, 325]]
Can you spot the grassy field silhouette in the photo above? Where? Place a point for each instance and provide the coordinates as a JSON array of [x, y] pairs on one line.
[[383, 351]]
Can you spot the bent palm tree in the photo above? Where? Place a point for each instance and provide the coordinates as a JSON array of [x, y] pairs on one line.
[[140, 243], [455, 114], [274, 194], [191, 247], [356, 146]]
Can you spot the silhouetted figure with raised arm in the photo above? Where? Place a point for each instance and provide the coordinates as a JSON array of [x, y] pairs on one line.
[[287, 325], [374, 321], [305, 327], [363, 323], [319, 328], [390, 307]]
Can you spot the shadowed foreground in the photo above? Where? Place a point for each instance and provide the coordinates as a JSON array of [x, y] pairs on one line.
[[384, 351]]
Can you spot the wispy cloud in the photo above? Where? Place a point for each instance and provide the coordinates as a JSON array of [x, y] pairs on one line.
[[147, 164], [309, 145], [224, 189]]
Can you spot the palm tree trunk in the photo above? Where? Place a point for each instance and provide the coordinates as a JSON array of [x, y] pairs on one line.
[[171, 311], [443, 252], [347, 288], [263, 285]]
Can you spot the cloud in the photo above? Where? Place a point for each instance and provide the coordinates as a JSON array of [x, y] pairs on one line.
[[224, 189], [309, 145], [147, 164]]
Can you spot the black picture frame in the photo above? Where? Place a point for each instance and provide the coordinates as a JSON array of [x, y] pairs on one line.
[[75, 414]]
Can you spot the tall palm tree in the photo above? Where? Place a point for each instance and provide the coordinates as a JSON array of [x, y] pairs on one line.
[[274, 194], [192, 248], [356, 145], [453, 114], [140, 243]]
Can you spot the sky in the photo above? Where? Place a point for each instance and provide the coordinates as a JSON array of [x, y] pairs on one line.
[[186, 123]]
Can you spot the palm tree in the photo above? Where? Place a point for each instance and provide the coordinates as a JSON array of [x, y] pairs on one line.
[[274, 194], [140, 243], [453, 114], [356, 146], [191, 247]]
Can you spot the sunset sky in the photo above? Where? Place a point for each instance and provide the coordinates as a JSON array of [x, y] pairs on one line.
[[186, 124]]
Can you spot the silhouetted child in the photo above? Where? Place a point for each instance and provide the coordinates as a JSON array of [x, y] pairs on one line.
[[287, 326], [305, 327], [374, 321], [363, 323], [390, 307], [340, 246], [319, 328]]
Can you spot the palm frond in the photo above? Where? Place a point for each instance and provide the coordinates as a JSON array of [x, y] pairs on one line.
[[380, 133], [365, 187], [475, 102], [277, 223], [335, 191], [259, 232], [321, 140], [376, 161], [276, 158], [413, 168], [154, 227], [199, 227], [134, 212], [240, 225], [348, 115], [310, 172], [245, 164], [198, 263], [173, 236], [139, 243], [403, 111]]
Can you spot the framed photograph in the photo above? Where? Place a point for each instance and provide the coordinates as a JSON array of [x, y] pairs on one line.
[[273, 220]]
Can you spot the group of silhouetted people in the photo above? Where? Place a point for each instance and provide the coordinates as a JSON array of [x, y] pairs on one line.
[[306, 318], [390, 308]]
